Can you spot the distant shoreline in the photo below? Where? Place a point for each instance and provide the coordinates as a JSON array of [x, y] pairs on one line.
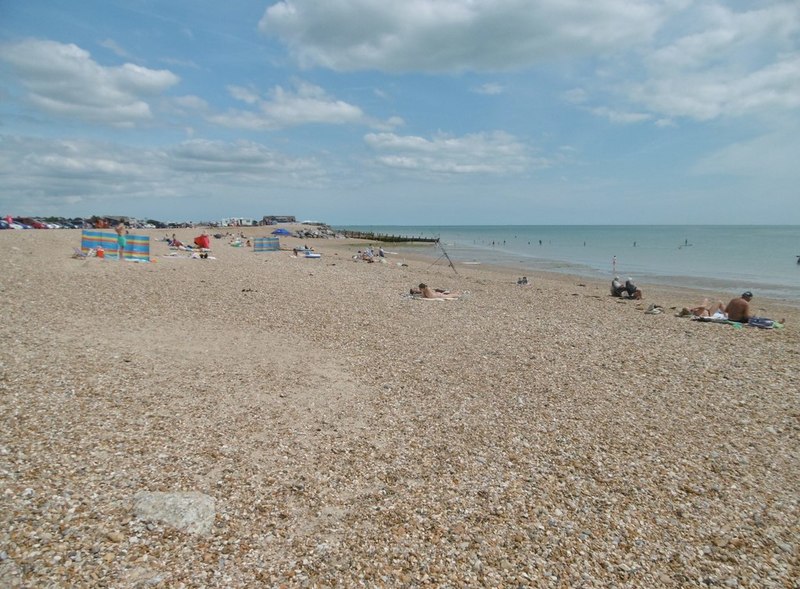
[[684, 291], [765, 256]]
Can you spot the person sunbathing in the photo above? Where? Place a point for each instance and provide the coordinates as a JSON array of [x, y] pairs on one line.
[[707, 309], [429, 293]]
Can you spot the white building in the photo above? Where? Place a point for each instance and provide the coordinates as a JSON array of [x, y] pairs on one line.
[[237, 222]]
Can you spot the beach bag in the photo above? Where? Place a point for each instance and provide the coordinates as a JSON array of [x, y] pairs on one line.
[[761, 322]]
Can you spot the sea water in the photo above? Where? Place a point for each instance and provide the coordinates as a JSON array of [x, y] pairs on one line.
[[725, 259]]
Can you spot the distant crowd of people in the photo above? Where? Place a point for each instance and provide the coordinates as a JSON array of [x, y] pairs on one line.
[[369, 254]]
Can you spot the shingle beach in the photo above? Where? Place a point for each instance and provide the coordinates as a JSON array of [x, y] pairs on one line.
[[264, 420]]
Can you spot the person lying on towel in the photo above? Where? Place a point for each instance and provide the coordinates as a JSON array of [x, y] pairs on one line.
[[429, 293]]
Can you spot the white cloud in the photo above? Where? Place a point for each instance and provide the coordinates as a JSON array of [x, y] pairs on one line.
[[245, 95], [302, 105], [309, 104], [772, 154], [654, 59], [576, 96], [46, 174], [490, 89], [185, 63], [455, 35], [486, 153], [190, 103], [241, 158], [115, 48], [709, 94], [733, 64], [616, 116], [63, 80]]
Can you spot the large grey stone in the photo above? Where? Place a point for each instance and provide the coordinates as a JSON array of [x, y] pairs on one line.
[[189, 511]]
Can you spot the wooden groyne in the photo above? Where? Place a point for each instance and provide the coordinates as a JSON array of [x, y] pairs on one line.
[[370, 236]]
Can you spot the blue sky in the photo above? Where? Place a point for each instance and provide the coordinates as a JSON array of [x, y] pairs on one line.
[[413, 112]]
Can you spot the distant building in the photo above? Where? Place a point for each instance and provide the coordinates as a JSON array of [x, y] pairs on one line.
[[274, 219], [237, 222]]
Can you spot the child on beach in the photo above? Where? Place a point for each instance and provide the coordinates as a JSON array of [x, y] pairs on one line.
[[122, 240]]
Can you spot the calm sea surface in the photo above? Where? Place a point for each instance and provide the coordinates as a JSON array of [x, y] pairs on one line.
[[726, 259]]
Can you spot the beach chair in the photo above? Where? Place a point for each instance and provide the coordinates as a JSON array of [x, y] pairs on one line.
[[83, 255]]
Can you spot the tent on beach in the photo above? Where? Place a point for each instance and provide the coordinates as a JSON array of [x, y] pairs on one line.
[[281, 231]]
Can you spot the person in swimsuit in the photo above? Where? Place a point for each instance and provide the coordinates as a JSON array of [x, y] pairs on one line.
[[428, 293], [122, 240], [706, 309], [739, 308]]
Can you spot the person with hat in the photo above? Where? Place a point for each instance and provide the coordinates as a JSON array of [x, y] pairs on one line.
[[634, 292], [739, 308], [617, 288]]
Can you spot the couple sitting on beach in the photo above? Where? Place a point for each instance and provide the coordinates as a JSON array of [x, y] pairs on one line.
[[426, 292], [628, 289], [738, 310]]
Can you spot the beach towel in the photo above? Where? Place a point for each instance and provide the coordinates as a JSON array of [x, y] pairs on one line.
[[137, 247], [734, 324], [763, 323], [759, 322], [418, 297]]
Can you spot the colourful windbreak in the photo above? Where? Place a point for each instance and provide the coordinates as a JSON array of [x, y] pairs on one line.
[[137, 247], [266, 244]]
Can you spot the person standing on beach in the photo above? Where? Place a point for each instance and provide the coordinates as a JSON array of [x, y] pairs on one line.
[[122, 240]]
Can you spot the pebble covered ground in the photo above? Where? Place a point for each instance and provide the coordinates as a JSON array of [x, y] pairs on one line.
[[348, 435]]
